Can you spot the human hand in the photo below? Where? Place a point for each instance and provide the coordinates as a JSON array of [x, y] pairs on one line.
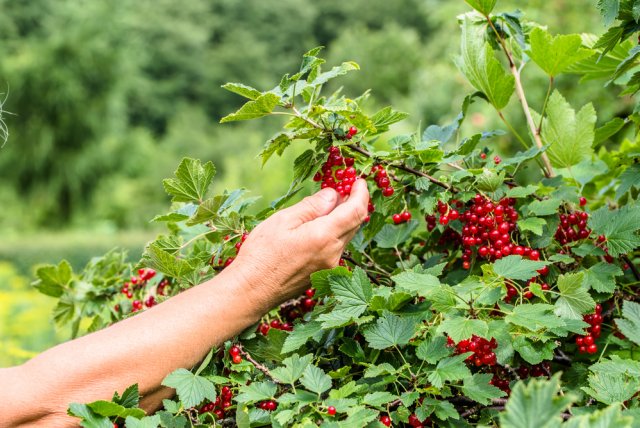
[[280, 253]]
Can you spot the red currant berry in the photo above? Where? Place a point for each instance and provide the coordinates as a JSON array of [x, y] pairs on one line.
[[583, 201], [387, 191], [385, 420], [331, 410]]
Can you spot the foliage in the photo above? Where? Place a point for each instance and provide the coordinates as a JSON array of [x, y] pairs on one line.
[[498, 311]]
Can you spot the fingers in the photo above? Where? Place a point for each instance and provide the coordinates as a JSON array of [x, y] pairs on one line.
[[310, 208], [345, 219]]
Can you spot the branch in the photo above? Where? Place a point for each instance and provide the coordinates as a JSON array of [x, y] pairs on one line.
[[633, 267], [404, 167], [257, 365], [523, 101]]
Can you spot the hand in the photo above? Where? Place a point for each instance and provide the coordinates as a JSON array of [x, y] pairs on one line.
[[281, 252]]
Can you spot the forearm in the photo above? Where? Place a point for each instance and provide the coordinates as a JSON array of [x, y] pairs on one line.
[[143, 349]]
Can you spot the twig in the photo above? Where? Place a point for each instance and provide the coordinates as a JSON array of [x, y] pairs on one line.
[[633, 267], [351, 260], [562, 358], [535, 132], [404, 167], [257, 365]]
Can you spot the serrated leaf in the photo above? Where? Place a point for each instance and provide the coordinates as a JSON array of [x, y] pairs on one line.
[[434, 349], [535, 317], [256, 391], [391, 236], [545, 207], [300, 335], [460, 328], [608, 389], [515, 267], [533, 352], [110, 409], [574, 300], [535, 405], [261, 106], [191, 389], [130, 397], [242, 90], [533, 224], [483, 6], [568, 135], [377, 399], [386, 117], [146, 422], [601, 277], [555, 54], [315, 379], [389, 331], [162, 261], [608, 130], [609, 10], [191, 182], [521, 192], [479, 65], [620, 227], [89, 418], [609, 417], [478, 388], [630, 325], [353, 293], [449, 369], [294, 367], [629, 179], [617, 366], [416, 283], [52, 279]]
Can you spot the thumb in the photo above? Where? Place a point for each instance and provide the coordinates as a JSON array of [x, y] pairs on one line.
[[311, 207]]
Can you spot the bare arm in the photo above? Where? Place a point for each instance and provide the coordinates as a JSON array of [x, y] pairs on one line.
[[274, 265]]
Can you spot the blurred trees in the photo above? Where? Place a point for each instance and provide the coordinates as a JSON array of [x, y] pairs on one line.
[[108, 95]]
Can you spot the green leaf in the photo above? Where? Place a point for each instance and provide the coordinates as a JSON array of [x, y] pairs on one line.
[[535, 317], [574, 300], [387, 117], [609, 10], [630, 178], [110, 409], [617, 366], [377, 399], [555, 54], [52, 279], [89, 418], [242, 90], [191, 182], [460, 328], [608, 388], [515, 267], [433, 350], [261, 106], [191, 389], [256, 391], [315, 380], [479, 65], [533, 224], [483, 6], [568, 135], [393, 235], [535, 404], [146, 422], [521, 192], [545, 207], [294, 367], [601, 277], [389, 331], [301, 335], [608, 130], [162, 261], [609, 417], [416, 283], [336, 71], [533, 352], [630, 325], [353, 293], [130, 397], [449, 369], [620, 227], [478, 388]]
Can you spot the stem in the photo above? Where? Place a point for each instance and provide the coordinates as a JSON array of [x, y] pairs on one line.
[[404, 167], [523, 101], [633, 267], [513, 131], [256, 364], [544, 105]]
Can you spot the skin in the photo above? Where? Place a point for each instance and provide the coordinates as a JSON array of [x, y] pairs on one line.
[[274, 265]]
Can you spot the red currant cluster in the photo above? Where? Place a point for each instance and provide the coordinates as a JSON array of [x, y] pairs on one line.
[[337, 172], [381, 178], [526, 293], [222, 402], [290, 311], [268, 405], [234, 353], [139, 282], [501, 380], [402, 217], [351, 132], [224, 263], [536, 370], [164, 283], [573, 226], [482, 350], [586, 343], [431, 222]]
